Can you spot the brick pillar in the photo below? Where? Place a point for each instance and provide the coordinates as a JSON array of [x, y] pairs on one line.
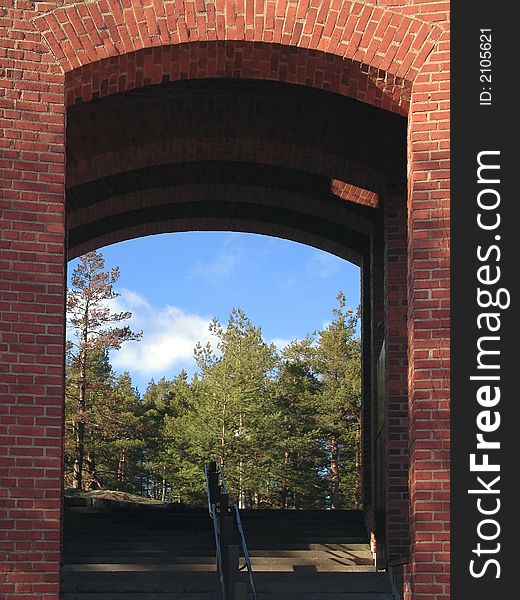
[[31, 311], [375, 316], [396, 341], [367, 455], [428, 327]]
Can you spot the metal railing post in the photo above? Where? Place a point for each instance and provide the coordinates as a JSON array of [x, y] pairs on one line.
[[232, 554], [226, 540], [211, 488], [228, 553], [214, 487], [247, 558]]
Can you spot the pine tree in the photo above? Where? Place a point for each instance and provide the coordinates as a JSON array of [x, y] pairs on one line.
[[234, 406], [300, 456], [168, 458], [100, 378], [94, 330], [338, 355]]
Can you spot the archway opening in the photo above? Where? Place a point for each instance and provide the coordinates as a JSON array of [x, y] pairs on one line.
[[276, 159], [275, 397]]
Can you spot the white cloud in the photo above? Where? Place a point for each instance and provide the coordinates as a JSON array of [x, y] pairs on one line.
[[133, 299], [169, 337]]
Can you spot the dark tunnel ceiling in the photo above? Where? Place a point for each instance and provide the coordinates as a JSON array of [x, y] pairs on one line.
[[294, 116]]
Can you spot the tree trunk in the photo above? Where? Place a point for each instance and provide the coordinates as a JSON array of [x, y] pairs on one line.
[[334, 471], [163, 493], [121, 466], [241, 494], [285, 503], [223, 433], [79, 450], [91, 465]]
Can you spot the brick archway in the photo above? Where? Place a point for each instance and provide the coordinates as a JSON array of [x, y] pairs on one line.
[[394, 57], [229, 151], [391, 46]]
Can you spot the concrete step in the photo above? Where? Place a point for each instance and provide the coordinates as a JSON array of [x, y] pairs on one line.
[[318, 553], [300, 581], [360, 555], [263, 541], [267, 566], [169, 555]]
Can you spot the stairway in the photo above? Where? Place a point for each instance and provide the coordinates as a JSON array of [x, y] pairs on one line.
[[169, 554]]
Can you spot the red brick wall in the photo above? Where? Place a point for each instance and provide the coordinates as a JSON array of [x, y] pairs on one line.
[[31, 308], [391, 54], [396, 343], [428, 326]]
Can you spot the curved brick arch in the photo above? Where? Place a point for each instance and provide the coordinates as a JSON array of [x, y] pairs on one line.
[[308, 213], [239, 216], [394, 55], [376, 60], [212, 224], [226, 139], [206, 122], [378, 48]]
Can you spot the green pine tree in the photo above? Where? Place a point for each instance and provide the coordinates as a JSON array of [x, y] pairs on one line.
[[95, 330], [338, 362]]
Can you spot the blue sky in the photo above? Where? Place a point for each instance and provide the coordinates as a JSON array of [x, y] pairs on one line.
[[175, 283]]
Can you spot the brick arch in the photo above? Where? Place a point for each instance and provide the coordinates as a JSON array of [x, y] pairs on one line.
[[238, 216], [375, 58], [355, 48], [393, 54], [256, 203], [176, 143], [256, 122]]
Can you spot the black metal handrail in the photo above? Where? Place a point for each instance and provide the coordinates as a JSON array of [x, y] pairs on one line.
[[228, 553], [216, 530], [222, 479], [238, 521], [247, 558]]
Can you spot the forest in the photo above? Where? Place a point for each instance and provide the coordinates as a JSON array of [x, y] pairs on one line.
[[285, 424]]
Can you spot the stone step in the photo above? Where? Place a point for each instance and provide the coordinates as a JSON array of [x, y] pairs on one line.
[[203, 521], [115, 517], [260, 556], [152, 554], [311, 554], [206, 524], [163, 534], [279, 565], [137, 540], [205, 549], [267, 566], [300, 581], [177, 545], [362, 557], [136, 544], [172, 509]]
